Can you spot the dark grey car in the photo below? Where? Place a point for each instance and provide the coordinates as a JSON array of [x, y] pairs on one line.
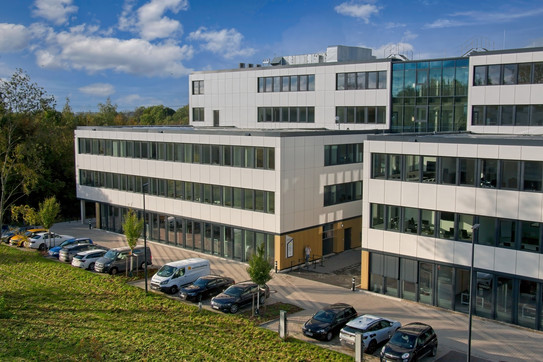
[[67, 253]]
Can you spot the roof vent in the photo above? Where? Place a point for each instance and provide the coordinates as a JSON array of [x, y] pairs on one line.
[[242, 65]]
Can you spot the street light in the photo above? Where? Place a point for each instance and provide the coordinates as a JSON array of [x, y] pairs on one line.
[[144, 235], [474, 229]]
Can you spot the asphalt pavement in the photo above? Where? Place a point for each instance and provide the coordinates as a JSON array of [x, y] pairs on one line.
[[330, 283]]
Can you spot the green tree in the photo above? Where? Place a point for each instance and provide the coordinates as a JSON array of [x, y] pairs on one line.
[[133, 227], [181, 116], [29, 215], [20, 162], [259, 269], [106, 113], [48, 214]]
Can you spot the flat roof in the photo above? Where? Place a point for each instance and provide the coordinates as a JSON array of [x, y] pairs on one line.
[[462, 138], [232, 131]]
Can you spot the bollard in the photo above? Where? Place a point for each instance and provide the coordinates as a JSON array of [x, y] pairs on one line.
[[199, 306], [283, 324], [276, 267], [353, 285], [90, 225]]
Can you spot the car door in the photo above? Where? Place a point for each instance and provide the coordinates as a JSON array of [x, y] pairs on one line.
[[211, 288], [382, 331]]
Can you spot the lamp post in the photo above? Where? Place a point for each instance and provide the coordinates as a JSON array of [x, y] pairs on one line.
[[144, 234], [474, 230]]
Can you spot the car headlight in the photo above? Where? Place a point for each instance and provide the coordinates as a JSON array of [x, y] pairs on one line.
[[322, 330], [405, 356], [164, 282]]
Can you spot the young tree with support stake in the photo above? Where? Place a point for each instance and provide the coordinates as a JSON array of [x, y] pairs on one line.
[[133, 227], [259, 270], [48, 214]]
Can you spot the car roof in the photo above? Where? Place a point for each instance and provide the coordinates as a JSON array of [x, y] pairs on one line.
[[184, 262], [337, 306], [414, 328], [363, 321], [91, 251]]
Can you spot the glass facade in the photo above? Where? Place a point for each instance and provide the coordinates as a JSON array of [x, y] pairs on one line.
[[429, 96], [496, 296], [210, 238]]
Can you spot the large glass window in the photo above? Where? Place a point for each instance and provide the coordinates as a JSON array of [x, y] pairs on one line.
[[444, 286], [410, 220], [412, 168], [529, 237], [532, 175], [428, 222], [507, 231], [448, 170], [527, 303], [509, 174], [489, 173], [394, 167], [408, 279], [446, 225], [426, 283], [377, 216], [378, 165]]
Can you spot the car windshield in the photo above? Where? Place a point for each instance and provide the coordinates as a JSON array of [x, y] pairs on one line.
[[403, 340], [353, 330], [77, 256], [325, 316], [166, 271], [201, 282], [111, 254], [234, 291]]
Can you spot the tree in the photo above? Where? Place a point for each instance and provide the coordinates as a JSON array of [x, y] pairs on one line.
[[27, 213], [20, 102], [259, 270], [133, 227], [48, 214]]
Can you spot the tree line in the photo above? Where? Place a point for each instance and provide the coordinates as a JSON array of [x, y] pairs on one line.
[[37, 159]]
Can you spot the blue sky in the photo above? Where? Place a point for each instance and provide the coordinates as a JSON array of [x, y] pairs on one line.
[[140, 52]]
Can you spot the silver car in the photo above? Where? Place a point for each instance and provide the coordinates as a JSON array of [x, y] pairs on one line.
[[67, 253], [374, 330], [86, 259]]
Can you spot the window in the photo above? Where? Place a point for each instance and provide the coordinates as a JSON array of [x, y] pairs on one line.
[[197, 87], [198, 115], [292, 83]]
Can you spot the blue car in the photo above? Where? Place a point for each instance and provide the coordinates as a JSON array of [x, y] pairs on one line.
[[54, 252]]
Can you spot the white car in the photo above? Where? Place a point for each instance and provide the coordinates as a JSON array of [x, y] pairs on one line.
[[87, 258], [42, 242], [374, 330]]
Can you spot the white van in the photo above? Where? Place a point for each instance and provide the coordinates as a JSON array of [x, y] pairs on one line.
[[174, 275]]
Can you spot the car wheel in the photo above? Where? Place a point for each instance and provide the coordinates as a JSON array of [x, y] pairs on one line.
[[113, 271], [234, 308], [142, 266], [372, 346], [434, 351], [174, 289], [42, 247], [329, 336], [91, 266]]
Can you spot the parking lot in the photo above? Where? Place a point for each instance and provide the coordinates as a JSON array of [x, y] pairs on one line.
[[491, 340]]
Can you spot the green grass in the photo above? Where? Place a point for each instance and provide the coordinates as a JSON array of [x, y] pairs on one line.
[[53, 311]]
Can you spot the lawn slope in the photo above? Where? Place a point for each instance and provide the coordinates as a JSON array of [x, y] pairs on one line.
[[52, 311]]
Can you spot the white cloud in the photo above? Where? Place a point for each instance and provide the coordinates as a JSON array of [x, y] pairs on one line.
[[477, 18], [149, 20], [93, 53], [135, 100], [98, 89], [393, 48], [394, 25], [362, 11], [13, 37], [56, 11], [226, 42], [408, 35]]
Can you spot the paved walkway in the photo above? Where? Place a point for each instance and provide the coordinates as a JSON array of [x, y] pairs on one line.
[[491, 340]]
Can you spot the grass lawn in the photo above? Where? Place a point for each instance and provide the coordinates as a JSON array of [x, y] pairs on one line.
[[53, 311]]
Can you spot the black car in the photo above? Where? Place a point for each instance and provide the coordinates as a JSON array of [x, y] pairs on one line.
[[410, 343], [205, 287], [239, 295], [328, 321]]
